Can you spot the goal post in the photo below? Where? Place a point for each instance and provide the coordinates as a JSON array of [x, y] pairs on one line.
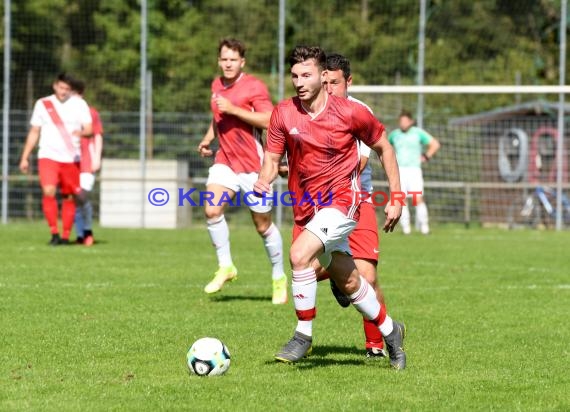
[[498, 145]]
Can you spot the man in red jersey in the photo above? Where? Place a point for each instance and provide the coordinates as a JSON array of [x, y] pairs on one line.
[[58, 122], [319, 134], [89, 164], [241, 106]]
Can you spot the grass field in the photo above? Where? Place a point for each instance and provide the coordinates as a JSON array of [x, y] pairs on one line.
[[107, 328]]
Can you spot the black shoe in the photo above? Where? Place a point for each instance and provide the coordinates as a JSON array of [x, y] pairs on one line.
[[79, 240], [395, 345], [55, 240], [64, 242], [340, 297], [373, 353]]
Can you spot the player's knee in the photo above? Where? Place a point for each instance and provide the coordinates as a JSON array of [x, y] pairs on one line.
[[299, 259], [213, 212], [262, 226], [351, 285], [49, 191]]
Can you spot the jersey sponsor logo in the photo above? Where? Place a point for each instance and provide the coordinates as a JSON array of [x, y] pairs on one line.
[[293, 131]]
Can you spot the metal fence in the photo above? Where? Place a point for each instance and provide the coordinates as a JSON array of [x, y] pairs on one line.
[[148, 68]]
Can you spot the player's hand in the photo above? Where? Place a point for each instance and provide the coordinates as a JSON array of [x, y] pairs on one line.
[[260, 187], [283, 170], [224, 105], [392, 213], [24, 165], [204, 149]]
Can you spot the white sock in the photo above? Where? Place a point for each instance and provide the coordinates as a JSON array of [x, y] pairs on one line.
[[274, 248], [366, 302], [422, 217], [304, 287], [387, 326], [220, 236], [405, 219]]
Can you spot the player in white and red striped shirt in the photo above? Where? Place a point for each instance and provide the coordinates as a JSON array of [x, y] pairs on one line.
[[319, 133], [58, 122]]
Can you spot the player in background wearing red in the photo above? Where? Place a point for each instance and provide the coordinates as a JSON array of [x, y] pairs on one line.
[[90, 163], [241, 108], [58, 122], [319, 133]]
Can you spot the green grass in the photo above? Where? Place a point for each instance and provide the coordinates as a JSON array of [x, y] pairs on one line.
[[107, 328]]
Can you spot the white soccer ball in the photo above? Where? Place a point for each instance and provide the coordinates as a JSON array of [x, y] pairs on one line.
[[208, 357]]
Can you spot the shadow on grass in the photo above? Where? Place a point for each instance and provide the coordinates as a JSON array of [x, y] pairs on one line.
[[326, 355], [230, 298]]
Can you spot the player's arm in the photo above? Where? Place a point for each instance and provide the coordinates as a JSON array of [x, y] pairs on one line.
[[256, 119], [268, 173], [204, 145], [86, 130], [31, 142], [363, 162], [283, 167], [393, 208], [432, 148]]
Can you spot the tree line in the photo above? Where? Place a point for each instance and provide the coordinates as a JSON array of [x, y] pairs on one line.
[[482, 42]]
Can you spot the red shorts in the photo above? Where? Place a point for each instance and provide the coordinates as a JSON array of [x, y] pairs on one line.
[[64, 175], [363, 240]]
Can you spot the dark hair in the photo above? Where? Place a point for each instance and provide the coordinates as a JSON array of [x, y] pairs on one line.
[[337, 61], [65, 78], [78, 86], [232, 44], [304, 53], [406, 113]]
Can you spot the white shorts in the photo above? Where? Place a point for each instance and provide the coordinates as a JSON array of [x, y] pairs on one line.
[[332, 227], [87, 181], [411, 180], [222, 175]]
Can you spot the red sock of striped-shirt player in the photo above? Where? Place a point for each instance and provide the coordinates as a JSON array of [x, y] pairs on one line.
[[304, 287], [67, 216], [49, 207]]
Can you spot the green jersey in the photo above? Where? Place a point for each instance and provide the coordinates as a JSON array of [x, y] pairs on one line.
[[409, 145]]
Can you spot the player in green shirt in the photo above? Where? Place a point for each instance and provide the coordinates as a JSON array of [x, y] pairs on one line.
[[413, 147]]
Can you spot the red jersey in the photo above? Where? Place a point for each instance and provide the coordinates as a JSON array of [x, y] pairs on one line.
[[240, 142], [322, 152], [88, 143]]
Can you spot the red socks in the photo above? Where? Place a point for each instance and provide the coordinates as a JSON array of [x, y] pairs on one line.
[[49, 206], [67, 216], [373, 335], [50, 209]]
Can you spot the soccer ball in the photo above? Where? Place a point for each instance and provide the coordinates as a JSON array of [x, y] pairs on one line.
[[208, 357]]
